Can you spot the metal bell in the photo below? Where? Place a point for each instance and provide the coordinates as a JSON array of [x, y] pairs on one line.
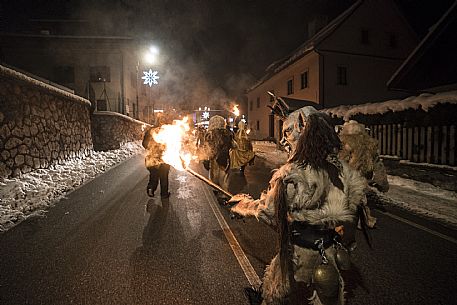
[[343, 260], [326, 280]]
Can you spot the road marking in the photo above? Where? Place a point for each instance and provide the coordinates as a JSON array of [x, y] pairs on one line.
[[448, 238], [244, 262]]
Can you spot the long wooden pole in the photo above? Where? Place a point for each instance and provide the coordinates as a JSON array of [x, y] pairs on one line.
[[209, 182]]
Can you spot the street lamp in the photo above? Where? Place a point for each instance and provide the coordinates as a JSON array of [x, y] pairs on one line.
[[150, 77]]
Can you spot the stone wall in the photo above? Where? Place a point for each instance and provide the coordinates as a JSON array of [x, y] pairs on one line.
[[39, 124], [111, 129]]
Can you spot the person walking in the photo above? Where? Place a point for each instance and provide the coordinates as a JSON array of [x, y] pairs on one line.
[[158, 170], [243, 153]]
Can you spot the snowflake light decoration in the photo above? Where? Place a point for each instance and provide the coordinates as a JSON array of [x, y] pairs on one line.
[[150, 77], [205, 115]]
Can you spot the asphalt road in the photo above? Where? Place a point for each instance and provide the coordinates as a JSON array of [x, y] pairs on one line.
[[108, 243]]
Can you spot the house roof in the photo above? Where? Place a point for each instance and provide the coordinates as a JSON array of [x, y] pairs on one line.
[[432, 63], [308, 45]]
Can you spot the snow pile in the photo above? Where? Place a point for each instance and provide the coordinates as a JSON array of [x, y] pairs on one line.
[[34, 192], [424, 101], [423, 199]]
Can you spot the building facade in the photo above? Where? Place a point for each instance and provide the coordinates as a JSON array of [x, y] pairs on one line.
[[103, 69], [347, 62]]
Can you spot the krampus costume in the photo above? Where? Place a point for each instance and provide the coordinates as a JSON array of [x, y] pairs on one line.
[[216, 147], [361, 152], [242, 153], [308, 198], [158, 170]]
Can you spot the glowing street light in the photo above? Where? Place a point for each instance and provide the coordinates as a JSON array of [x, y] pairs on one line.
[[151, 55]]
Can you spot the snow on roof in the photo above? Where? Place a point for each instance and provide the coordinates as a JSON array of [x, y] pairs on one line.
[[52, 89], [424, 101]]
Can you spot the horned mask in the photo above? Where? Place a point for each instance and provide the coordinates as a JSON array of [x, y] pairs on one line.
[[293, 123]]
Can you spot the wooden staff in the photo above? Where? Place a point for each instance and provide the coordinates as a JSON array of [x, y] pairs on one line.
[[209, 182]]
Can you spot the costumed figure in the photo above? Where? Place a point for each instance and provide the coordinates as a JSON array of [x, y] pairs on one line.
[[361, 152], [308, 199], [242, 153], [216, 146], [158, 170], [200, 135]]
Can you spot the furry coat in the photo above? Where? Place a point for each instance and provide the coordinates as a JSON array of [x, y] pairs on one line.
[[310, 197], [154, 150]]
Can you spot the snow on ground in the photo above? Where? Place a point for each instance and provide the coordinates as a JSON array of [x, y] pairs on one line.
[[423, 199], [34, 192], [418, 197]]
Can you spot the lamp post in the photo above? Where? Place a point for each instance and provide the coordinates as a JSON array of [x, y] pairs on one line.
[[150, 76]]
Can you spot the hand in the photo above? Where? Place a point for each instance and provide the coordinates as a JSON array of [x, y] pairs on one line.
[[238, 198]]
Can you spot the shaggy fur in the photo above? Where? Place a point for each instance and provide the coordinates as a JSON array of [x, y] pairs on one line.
[[317, 146], [154, 150], [313, 187]]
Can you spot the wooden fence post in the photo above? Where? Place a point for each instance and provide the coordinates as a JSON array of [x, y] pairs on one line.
[[388, 139], [410, 143], [452, 145], [429, 144], [444, 144], [422, 144], [436, 144], [399, 134]]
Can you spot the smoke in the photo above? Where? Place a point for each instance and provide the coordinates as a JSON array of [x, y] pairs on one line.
[[212, 51]]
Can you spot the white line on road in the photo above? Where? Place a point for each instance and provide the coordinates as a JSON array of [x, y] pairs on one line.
[[448, 238], [244, 262]]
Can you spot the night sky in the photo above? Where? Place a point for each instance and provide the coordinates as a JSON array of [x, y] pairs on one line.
[[222, 47]]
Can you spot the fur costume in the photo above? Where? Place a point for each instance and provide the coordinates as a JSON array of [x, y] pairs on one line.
[[361, 152], [216, 146], [154, 150], [158, 170], [313, 192], [242, 153]]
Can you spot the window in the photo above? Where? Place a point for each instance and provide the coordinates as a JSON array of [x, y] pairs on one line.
[[365, 37], [258, 102], [272, 99], [250, 105], [100, 74], [393, 41], [304, 80], [341, 76], [290, 86], [64, 74], [258, 125]]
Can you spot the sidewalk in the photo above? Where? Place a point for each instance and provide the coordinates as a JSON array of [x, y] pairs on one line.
[[423, 189]]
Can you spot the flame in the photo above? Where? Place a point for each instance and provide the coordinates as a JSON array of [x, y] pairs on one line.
[[172, 137], [236, 111], [248, 131]]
